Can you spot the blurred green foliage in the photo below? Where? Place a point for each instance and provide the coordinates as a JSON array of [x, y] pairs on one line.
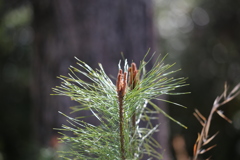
[[15, 48]]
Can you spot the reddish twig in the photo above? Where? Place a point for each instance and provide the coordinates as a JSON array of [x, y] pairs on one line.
[[121, 90]]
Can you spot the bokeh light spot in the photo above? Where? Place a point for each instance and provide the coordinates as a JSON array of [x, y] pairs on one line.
[[200, 16]]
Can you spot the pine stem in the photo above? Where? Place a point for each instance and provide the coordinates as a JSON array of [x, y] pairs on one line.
[[121, 117], [121, 90]]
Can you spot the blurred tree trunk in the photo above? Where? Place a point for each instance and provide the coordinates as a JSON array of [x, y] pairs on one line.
[[94, 31]]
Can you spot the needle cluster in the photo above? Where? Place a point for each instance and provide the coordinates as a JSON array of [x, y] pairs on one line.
[[119, 109]]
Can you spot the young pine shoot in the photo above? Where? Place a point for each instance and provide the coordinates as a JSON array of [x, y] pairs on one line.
[[119, 108]]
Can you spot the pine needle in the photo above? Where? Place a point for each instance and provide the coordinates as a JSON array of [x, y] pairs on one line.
[[119, 109]]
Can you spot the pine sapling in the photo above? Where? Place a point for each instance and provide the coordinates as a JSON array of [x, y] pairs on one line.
[[119, 109]]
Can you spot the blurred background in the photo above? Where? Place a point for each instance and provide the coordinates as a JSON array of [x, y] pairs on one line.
[[39, 39]]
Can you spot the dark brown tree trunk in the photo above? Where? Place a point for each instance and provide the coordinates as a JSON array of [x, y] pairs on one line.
[[92, 30]]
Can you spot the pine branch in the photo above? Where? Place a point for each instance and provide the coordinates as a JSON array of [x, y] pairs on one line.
[[119, 108]]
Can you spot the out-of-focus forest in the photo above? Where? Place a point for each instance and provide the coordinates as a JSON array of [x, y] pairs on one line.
[[39, 38]]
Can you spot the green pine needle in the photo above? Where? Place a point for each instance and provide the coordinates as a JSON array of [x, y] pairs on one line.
[[100, 96]]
